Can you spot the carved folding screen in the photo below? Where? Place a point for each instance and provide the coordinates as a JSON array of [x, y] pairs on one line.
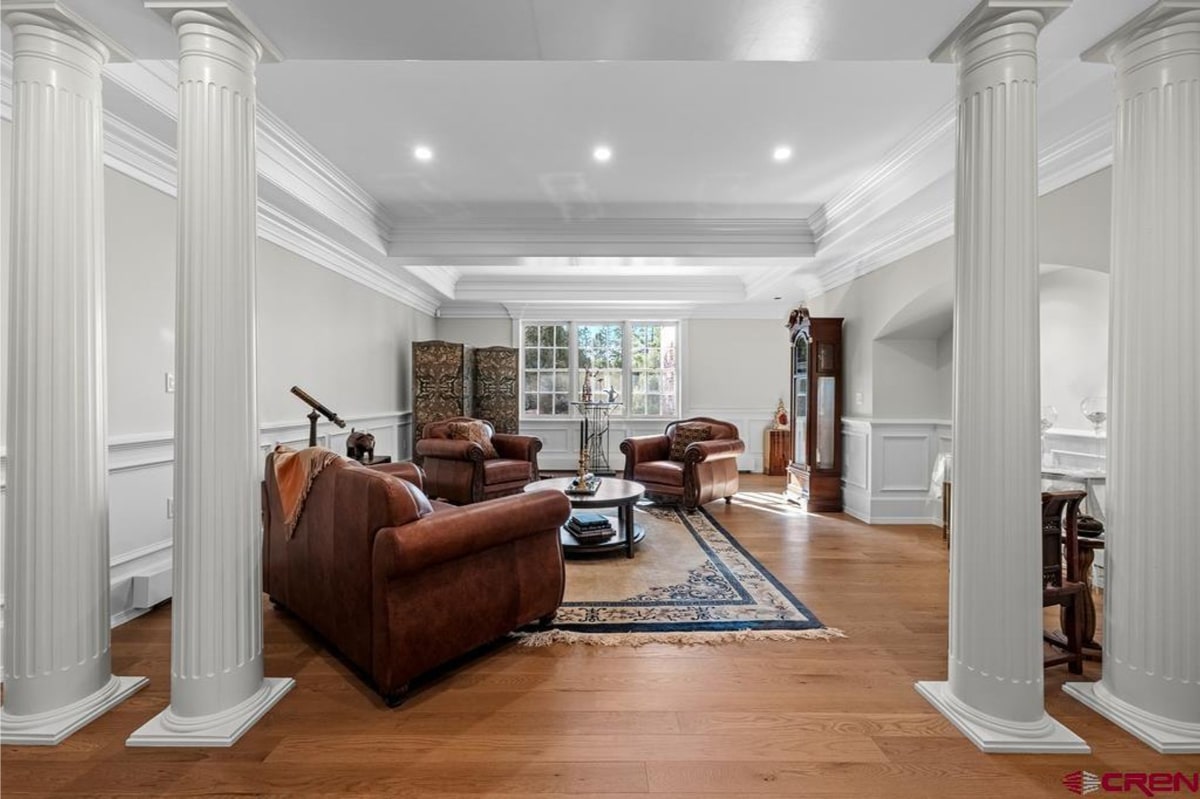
[[439, 384], [496, 387]]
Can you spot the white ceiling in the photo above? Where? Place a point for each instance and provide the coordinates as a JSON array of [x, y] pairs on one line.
[[689, 139], [692, 95]]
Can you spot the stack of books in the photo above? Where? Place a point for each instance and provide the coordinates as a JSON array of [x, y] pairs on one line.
[[590, 528]]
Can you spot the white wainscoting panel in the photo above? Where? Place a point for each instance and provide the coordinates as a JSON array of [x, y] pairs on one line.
[[856, 449], [887, 466], [141, 484]]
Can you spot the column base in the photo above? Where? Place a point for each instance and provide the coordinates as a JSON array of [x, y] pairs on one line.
[[218, 729], [51, 729], [991, 734], [1166, 736]]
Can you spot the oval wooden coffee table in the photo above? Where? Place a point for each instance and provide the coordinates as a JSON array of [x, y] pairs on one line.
[[612, 493]]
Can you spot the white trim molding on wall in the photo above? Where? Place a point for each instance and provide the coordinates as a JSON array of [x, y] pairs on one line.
[[888, 464], [141, 485]]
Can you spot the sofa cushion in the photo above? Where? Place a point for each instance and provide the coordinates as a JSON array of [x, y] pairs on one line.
[[661, 472], [476, 432], [504, 470], [686, 434]]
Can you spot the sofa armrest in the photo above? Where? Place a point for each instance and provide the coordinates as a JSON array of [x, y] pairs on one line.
[[450, 535], [700, 451], [450, 449], [520, 448], [640, 449], [407, 470]]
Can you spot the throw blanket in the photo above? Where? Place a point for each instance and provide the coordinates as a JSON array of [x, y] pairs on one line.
[[294, 474]]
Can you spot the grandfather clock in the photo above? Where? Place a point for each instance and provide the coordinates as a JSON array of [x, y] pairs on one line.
[[814, 477]]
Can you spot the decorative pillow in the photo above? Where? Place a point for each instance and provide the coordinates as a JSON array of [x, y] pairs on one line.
[[474, 431], [688, 434]]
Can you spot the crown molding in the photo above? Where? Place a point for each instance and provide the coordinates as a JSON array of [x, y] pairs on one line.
[[613, 311], [906, 164], [292, 234], [441, 279], [285, 158], [295, 166], [131, 151], [917, 234], [573, 289], [500, 238], [1086, 150]]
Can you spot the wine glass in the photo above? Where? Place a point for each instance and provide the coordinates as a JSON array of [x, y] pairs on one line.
[[1049, 417], [1095, 410]]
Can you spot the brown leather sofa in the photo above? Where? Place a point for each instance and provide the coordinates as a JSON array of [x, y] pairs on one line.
[[458, 472], [708, 469], [398, 584]]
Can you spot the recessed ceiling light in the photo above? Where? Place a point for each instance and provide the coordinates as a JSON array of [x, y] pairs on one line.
[[782, 153], [602, 153], [422, 153]]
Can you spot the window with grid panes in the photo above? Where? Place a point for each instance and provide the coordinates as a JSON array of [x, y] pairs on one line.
[[600, 354], [545, 353], [653, 354]]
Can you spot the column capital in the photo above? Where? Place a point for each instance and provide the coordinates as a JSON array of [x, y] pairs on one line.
[[1154, 19], [53, 15], [221, 13], [990, 14]]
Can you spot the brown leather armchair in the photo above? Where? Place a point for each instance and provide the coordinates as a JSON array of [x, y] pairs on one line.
[[398, 584], [457, 471], [708, 469]]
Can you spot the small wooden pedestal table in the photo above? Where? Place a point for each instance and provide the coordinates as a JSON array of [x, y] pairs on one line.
[[613, 493]]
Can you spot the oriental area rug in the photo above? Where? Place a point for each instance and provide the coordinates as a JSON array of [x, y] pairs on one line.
[[690, 582]]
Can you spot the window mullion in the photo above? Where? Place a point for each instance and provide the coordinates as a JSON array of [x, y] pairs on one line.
[[572, 363]]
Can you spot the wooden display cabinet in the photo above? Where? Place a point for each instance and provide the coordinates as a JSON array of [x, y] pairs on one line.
[[814, 476]]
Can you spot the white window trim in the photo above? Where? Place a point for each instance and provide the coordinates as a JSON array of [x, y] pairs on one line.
[[626, 359]]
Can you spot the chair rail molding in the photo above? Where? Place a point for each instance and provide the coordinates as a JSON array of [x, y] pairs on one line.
[[140, 468]]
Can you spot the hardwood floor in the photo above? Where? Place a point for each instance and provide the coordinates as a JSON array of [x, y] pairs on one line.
[[806, 718]]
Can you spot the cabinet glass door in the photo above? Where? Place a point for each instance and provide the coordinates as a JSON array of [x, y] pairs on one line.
[[826, 429], [800, 404]]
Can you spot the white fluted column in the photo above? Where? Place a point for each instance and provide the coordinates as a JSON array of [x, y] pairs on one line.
[[1151, 679], [217, 685], [994, 694], [57, 662]]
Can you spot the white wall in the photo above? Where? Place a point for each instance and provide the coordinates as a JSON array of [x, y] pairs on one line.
[[490, 332], [140, 310], [1074, 223], [909, 370], [346, 344], [868, 305], [1074, 320], [736, 363]]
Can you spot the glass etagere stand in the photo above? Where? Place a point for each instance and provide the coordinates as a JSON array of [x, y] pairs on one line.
[[596, 424]]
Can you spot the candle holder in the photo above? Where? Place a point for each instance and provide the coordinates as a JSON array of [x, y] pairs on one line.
[[585, 483]]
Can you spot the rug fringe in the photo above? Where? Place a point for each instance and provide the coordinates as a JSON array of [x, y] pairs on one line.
[[549, 637]]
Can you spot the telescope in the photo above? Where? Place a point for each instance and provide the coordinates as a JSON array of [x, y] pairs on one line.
[[318, 410]]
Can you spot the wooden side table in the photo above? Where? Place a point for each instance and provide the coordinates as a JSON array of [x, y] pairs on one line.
[[777, 450]]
